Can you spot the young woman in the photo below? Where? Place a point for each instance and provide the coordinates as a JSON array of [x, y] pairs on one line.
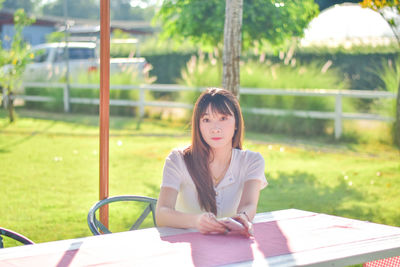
[[213, 177]]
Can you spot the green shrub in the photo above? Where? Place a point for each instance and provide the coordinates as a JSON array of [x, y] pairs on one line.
[[167, 57], [127, 77], [362, 48], [281, 76], [154, 45], [199, 73], [202, 73], [56, 93], [314, 75], [389, 75], [167, 67]]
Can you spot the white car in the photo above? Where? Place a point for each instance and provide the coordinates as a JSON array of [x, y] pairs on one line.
[[49, 63]]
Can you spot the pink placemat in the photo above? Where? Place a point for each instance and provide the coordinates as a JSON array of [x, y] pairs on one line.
[[280, 238], [144, 248]]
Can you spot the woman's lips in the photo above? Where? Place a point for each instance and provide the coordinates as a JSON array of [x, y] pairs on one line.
[[216, 138]]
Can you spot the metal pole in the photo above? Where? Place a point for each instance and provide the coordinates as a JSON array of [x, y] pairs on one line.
[[104, 104]]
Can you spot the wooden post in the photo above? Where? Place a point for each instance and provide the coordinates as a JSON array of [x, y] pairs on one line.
[[397, 122], [66, 97], [141, 103], [338, 116], [66, 58], [5, 97], [104, 104]]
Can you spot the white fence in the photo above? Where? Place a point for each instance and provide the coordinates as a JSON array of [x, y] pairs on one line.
[[337, 115]]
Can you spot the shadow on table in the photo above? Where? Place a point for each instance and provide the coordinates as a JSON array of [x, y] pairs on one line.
[[69, 255], [213, 250]]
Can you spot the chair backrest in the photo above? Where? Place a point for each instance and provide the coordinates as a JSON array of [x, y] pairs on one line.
[[98, 228], [13, 235]]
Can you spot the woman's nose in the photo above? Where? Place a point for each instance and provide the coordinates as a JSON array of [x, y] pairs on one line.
[[215, 128]]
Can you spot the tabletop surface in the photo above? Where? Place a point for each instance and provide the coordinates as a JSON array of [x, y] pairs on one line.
[[281, 238]]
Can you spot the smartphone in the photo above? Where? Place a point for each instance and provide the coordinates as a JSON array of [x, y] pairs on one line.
[[231, 224]]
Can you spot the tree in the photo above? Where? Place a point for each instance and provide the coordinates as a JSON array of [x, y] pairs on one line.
[[323, 4], [381, 6], [15, 59], [89, 9], [232, 45], [138, 13], [264, 22], [123, 10]]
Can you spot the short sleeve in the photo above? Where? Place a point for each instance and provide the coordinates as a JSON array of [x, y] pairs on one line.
[[172, 172], [256, 168]]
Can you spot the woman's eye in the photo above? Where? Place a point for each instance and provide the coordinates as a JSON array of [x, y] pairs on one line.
[[224, 118], [205, 120]]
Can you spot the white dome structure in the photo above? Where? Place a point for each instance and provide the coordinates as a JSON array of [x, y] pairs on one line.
[[348, 24]]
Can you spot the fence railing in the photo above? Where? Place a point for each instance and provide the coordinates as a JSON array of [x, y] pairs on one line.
[[337, 115]]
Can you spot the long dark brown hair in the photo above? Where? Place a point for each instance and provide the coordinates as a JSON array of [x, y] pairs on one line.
[[197, 156]]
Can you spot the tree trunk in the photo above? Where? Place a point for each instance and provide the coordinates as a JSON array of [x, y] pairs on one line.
[[10, 106], [397, 123], [232, 45]]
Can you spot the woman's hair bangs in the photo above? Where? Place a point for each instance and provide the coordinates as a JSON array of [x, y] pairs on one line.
[[219, 105]]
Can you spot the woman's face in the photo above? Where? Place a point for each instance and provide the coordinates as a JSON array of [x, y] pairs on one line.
[[217, 129]]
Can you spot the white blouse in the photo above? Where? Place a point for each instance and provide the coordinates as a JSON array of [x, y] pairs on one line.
[[245, 165]]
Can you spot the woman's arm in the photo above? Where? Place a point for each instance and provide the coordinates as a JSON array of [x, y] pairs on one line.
[[166, 215], [249, 200], [248, 205]]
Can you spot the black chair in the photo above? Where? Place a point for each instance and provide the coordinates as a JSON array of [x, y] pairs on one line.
[[98, 228], [13, 235]]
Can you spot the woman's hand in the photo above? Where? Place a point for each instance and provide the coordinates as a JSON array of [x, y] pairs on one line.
[[248, 226], [207, 224]]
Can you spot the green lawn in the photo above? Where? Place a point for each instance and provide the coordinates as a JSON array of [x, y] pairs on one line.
[[49, 174]]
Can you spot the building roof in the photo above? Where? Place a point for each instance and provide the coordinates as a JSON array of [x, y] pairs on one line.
[[348, 23], [7, 17], [135, 27]]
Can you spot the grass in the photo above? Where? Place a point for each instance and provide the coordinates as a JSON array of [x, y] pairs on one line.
[[49, 172], [201, 72]]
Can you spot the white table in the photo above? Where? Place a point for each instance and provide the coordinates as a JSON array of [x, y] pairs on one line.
[[282, 238]]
